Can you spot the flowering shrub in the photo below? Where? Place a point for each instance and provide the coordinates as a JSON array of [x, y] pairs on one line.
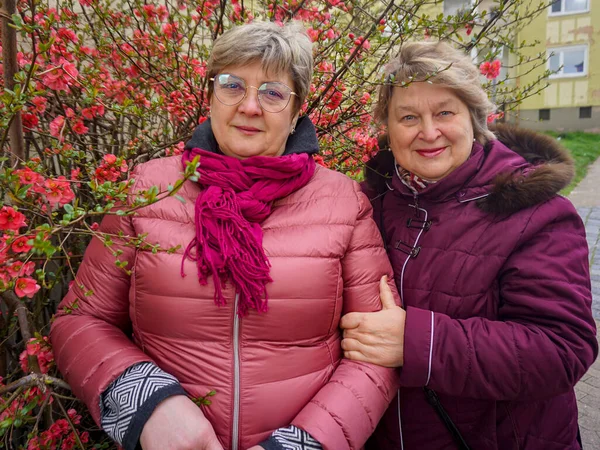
[[91, 88]]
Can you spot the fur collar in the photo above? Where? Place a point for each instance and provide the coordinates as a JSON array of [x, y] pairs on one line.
[[550, 168]]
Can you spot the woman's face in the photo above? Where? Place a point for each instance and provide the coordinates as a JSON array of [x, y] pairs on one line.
[[245, 129], [430, 130]]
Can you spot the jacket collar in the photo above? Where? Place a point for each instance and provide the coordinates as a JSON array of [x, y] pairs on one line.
[[449, 186], [304, 140]]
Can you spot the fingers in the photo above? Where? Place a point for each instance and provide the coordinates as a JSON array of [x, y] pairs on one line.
[[350, 344], [385, 294], [351, 320], [355, 356]]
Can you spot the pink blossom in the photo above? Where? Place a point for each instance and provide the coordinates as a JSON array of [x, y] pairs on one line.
[[58, 191], [490, 69], [57, 125], [11, 219], [28, 176], [40, 103], [67, 34], [26, 287], [492, 117], [61, 77], [79, 127], [20, 245], [109, 158]]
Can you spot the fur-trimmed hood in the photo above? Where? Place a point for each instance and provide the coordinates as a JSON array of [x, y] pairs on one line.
[[506, 182]]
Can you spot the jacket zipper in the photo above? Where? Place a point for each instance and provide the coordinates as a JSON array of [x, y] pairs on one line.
[[236, 376]]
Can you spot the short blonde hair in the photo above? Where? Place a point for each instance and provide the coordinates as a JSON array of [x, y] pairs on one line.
[[280, 49], [441, 64]]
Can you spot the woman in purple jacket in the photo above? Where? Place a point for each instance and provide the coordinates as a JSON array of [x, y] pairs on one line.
[[490, 262]]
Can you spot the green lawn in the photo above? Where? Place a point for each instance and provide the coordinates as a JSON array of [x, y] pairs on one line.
[[585, 148]]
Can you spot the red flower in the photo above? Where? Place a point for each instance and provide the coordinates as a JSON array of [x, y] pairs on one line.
[[30, 120], [26, 287], [57, 125], [66, 34], [11, 219], [58, 191], [28, 176], [79, 127], [490, 69], [40, 103], [20, 245], [493, 117], [59, 78]]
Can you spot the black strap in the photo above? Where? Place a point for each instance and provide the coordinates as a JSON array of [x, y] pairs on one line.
[[434, 400]]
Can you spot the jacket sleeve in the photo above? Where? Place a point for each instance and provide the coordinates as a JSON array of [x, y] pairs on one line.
[[91, 331], [544, 338], [345, 412]]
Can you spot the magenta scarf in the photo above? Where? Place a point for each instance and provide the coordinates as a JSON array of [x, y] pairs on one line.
[[237, 196]]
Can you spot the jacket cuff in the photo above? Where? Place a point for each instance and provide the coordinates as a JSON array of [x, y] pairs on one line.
[[290, 437], [127, 404], [419, 335]]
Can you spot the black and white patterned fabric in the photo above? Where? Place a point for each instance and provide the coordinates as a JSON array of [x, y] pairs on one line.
[[126, 405], [290, 438]]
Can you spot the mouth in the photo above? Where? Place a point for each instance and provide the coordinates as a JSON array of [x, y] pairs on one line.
[[431, 152], [247, 130]]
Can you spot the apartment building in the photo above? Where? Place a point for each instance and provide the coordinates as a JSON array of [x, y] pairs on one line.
[[570, 34]]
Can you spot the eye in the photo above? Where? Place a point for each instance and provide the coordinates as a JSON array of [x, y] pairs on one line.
[[446, 113], [230, 83], [408, 118], [274, 91], [274, 94]]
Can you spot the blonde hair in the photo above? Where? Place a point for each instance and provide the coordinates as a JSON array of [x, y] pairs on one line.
[[280, 49], [440, 64]]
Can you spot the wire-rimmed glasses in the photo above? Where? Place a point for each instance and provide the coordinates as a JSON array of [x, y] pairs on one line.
[[273, 96]]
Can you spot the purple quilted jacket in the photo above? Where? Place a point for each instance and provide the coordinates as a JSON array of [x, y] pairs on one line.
[[492, 267]]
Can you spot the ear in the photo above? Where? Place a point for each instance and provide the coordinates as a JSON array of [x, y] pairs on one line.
[[294, 121]]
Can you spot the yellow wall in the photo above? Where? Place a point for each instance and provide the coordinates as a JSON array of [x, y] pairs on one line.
[[563, 31]]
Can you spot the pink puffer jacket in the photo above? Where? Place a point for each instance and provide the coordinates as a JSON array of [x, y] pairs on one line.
[[268, 369]]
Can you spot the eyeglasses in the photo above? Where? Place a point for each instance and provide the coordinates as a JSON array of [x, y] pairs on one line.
[[272, 96]]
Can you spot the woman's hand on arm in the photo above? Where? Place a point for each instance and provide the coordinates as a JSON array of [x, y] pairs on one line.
[[178, 423], [376, 337]]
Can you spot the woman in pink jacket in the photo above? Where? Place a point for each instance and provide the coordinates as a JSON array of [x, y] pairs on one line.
[[271, 251]]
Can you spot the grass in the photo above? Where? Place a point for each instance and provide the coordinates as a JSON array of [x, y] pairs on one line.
[[585, 149]]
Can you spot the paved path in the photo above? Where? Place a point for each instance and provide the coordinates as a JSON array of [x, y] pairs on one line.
[[586, 198]]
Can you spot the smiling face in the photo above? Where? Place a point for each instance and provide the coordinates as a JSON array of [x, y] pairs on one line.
[[430, 130], [245, 130]]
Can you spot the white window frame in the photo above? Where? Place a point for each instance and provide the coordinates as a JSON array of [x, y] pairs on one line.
[[568, 13], [561, 63]]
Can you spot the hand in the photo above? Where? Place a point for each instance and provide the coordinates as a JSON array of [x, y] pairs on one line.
[[178, 424], [256, 447], [376, 337]]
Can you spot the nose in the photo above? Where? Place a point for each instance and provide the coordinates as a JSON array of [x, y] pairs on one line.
[[429, 130], [250, 104]]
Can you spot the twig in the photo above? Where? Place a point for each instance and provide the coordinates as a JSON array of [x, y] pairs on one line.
[[34, 379]]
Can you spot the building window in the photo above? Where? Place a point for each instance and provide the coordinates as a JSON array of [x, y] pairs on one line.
[[456, 7], [569, 7], [544, 114], [568, 61], [585, 112]]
